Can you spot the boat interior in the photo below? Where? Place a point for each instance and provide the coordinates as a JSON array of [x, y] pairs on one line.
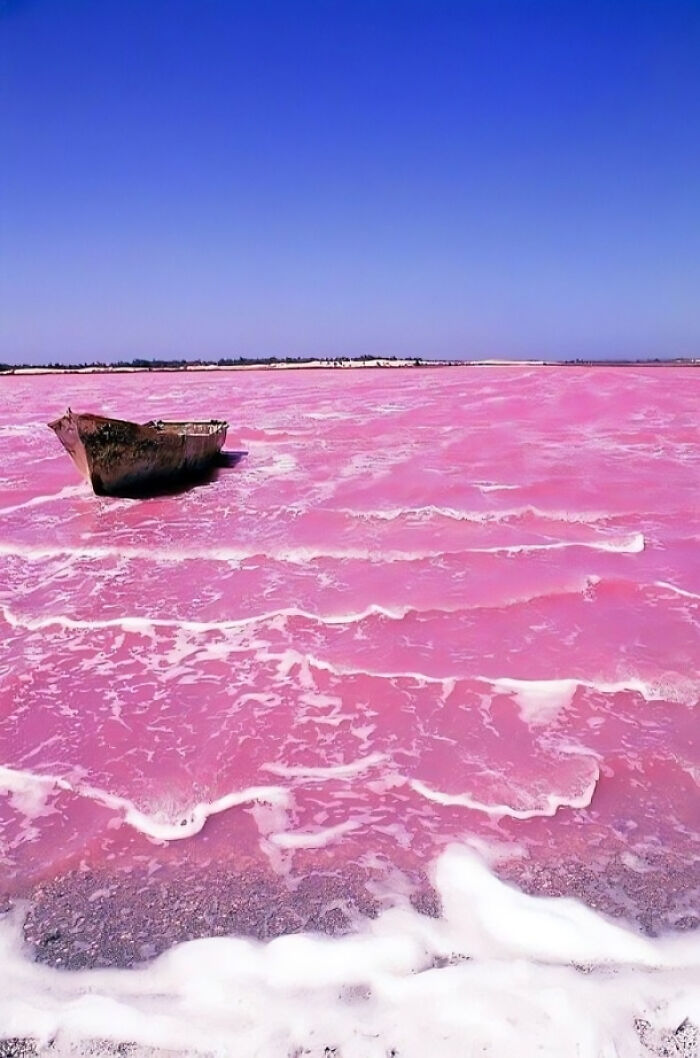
[[190, 427]]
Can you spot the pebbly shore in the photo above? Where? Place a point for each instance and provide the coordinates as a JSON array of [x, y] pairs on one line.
[[89, 918], [96, 918]]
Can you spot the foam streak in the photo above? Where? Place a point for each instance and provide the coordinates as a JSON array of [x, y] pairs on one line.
[[631, 544], [552, 803], [155, 826]]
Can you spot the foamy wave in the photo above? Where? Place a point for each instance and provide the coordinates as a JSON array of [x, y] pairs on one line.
[[541, 700], [557, 693], [500, 973], [145, 624], [630, 544], [549, 807], [290, 658], [676, 590], [52, 497], [561, 687], [282, 463], [19, 429], [426, 513], [331, 771], [25, 785], [312, 839], [391, 514]]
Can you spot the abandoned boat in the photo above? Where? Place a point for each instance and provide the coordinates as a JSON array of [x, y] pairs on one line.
[[117, 456]]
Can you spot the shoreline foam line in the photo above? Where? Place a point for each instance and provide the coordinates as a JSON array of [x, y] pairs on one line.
[[506, 971], [26, 784]]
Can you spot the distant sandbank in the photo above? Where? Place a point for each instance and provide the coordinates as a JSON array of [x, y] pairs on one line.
[[326, 364]]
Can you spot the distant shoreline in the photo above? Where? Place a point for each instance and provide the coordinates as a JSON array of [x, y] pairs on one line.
[[338, 363]]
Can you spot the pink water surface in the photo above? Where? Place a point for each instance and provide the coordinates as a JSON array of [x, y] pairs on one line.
[[427, 606]]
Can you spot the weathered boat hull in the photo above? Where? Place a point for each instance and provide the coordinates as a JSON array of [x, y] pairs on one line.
[[117, 456]]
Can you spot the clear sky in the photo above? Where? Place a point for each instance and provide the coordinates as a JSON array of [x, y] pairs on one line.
[[209, 178]]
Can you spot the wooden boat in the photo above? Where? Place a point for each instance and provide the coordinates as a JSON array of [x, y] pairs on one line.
[[117, 456]]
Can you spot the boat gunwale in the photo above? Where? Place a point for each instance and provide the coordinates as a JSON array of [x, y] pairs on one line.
[[159, 425]]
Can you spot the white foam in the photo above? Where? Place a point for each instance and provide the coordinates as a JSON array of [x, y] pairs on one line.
[[312, 839], [539, 701], [282, 463], [430, 511], [557, 688], [390, 514], [548, 807], [667, 690], [146, 624], [52, 497], [676, 590], [632, 544], [290, 658], [17, 429], [332, 771], [31, 787], [556, 694], [494, 976]]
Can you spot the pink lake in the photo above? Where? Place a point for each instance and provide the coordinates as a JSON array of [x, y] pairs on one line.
[[427, 608]]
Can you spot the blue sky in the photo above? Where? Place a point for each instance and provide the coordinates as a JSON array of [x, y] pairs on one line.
[[209, 178]]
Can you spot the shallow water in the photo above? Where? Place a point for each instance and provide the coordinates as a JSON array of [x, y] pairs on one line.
[[431, 614]]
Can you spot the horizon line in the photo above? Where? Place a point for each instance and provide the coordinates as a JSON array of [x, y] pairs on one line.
[[141, 364]]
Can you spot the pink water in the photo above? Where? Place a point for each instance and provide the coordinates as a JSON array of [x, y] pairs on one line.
[[428, 606]]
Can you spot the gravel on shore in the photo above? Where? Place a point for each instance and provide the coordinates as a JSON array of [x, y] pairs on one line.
[[99, 918], [89, 918], [92, 918]]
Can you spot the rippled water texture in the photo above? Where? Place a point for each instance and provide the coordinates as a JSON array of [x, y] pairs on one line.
[[427, 607]]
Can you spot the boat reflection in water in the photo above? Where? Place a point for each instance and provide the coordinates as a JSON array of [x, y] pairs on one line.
[[117, 456]]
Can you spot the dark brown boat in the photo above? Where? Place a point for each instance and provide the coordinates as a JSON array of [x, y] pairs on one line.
[[117, 456]]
